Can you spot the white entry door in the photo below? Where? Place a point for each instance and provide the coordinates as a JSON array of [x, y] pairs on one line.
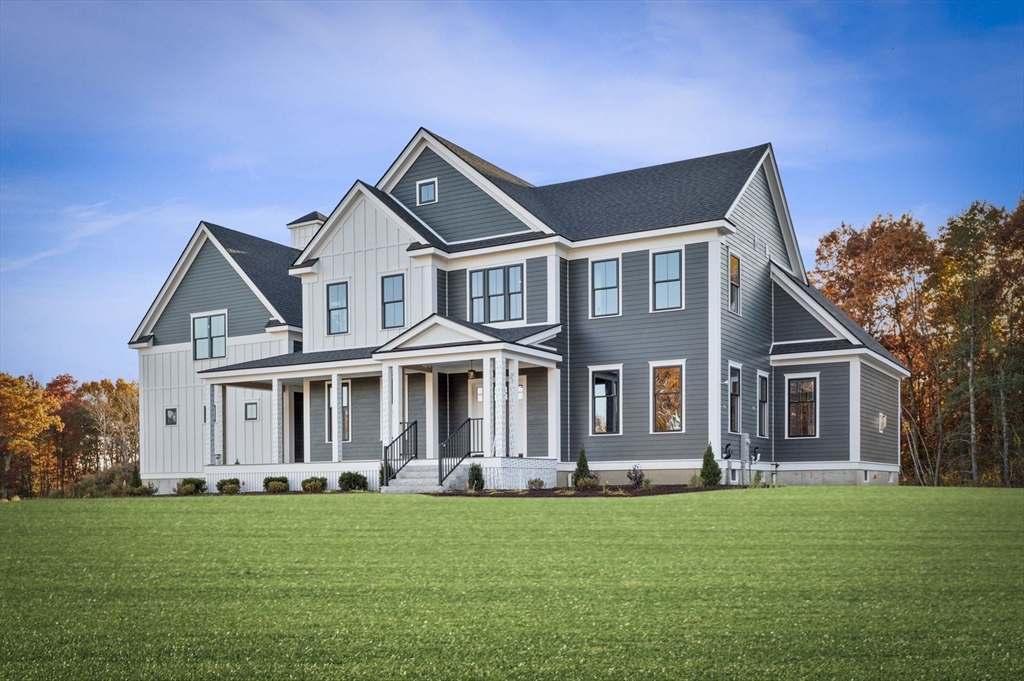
[[476, 409]]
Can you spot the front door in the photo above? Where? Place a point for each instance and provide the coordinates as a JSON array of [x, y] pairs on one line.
[[476, 410]]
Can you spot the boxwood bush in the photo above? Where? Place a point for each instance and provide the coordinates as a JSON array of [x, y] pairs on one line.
[[350, 481], [191, 486], [314, 485], [275, 484], [228, 482]]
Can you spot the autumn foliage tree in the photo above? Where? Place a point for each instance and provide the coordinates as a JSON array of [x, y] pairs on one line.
[[26, 412]]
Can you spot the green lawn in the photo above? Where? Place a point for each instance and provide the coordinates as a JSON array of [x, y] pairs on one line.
[[851, 583]]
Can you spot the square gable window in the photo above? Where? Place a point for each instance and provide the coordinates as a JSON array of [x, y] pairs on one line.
[[426, 191]]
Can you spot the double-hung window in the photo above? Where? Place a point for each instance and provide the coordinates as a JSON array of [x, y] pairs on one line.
[[668, 281], [496, 294], [667, 397], [346, 434], [209, 337], [762, 404], [337, 308], [604, 278], [802, 405], [734, 282], [393, 301], [604, 389], [735, 398]]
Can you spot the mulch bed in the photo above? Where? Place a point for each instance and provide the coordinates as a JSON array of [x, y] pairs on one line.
[[612, 491]]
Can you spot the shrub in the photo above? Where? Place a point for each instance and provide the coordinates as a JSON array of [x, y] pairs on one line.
[[198, 486], [351, 481], [283, 479], [647, 483], [314, 485], [99, 484], [221, 484], [385, 468], [184, 489], [710, 472], [588, 483], [535, 483], [636, 476], [277, 487], [136, 477], [230, 489], [758, 481], [695, 480], [475, 482], [582, 471]]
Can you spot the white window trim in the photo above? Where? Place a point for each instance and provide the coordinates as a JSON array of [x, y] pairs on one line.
[[816, 375], [437, 193], [192, 334], [681, 363], [682, 279], [590, 399], [327, 410], [729, 254], [405, 298], [245, 405], [177, 416], [327, 309], [728, 399], [590, 287], [768, 404], [508, 323]]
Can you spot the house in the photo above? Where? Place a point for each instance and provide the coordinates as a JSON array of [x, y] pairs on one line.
[[454, 310]]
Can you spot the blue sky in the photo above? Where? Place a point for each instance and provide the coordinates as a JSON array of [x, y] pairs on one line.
[[124, 125]]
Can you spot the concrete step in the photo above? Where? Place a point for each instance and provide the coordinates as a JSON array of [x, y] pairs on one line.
[[394, 488]]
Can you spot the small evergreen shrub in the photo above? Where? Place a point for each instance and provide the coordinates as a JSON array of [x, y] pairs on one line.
[[221, 484], [229, 489], [535, 483], [314, 485], [351, 482], [198, 485], [283, 479], [386, 473], [647, 483], [582, 471], [475, 482], [136, 477], [636, 476], [758, 481], [710, 472], [277, 487]]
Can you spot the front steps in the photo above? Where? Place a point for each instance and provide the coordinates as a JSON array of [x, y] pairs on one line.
[[419, 476]]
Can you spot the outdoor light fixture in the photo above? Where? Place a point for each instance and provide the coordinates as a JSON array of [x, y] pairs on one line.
[[728, 451]]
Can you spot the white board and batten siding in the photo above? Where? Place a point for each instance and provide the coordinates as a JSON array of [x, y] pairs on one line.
[[365, 247], [169, 378]]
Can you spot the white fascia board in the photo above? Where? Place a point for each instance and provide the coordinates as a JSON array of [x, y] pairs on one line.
[[456, 353], [299, 271], [424, 140], [170, 285], [349, 368], [279, 329], [824, 356], [138, 346], [771, 171], [541, 337], [823, 316], [429, 323]]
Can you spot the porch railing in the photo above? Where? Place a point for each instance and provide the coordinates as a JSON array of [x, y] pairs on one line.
[[401, 451], [467, 439]]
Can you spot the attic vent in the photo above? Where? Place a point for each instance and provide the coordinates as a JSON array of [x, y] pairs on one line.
[[426, 191]]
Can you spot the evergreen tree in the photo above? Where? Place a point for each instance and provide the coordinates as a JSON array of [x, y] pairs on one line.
[[710, 472]]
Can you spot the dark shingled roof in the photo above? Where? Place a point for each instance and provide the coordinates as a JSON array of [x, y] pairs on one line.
[[853, 327], [668, 195], [308, 217], [814, 346], [509, 335], [405, 214], [266, 264], [297, 358]]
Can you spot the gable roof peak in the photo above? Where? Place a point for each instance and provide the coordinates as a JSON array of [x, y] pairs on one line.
[[482, 166]]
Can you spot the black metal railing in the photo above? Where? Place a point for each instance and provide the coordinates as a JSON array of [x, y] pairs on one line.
[[401, 451], [467, 439]]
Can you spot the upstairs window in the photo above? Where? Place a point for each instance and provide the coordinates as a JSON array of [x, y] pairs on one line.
[[734, 283], [393, 301], [496, 294], [604, 278], [668, 281], [209, 337], [605, 401], [337, 308], [802, 406], [735, 398], [426, 191]]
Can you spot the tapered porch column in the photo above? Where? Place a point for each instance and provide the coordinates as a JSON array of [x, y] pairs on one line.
[[337, 418], [217, 422], [385, 404], [488, 386], [210, 431], [276, 421], [513, 405], [397, 401], [500, 407]]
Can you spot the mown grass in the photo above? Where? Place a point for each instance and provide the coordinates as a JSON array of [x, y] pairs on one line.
[[852, 583]]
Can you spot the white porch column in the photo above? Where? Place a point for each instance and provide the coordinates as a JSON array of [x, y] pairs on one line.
[[210, 431], [217, 416], [488, 430], [430, 396], [500, 406], [554, 413], [276, 421], [513, 406], [337, 432], [385, 404], [397, 401]]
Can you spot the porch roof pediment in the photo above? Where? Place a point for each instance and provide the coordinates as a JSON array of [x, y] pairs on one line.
[[440, 331]]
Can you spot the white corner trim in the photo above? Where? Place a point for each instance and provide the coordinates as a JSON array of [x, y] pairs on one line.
[[855, 409], [715, 345], [554, 289], [652, 365], [816, 375]]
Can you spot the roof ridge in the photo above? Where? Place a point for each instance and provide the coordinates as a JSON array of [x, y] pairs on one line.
[[250, 236], [481, 165]]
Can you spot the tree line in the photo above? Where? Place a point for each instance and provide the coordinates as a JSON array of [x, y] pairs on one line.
[[53, 435], [951, 309]]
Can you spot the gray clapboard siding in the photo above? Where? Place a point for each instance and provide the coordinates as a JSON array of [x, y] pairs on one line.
[[634, 339], [747, 336], [833, 441], [319, 448], [792, 322], [442, 292], [364, 424], [536, 290], [878, 393], [536, 411], [416, 408], [462, 211], [210, 284], [457, 293]]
